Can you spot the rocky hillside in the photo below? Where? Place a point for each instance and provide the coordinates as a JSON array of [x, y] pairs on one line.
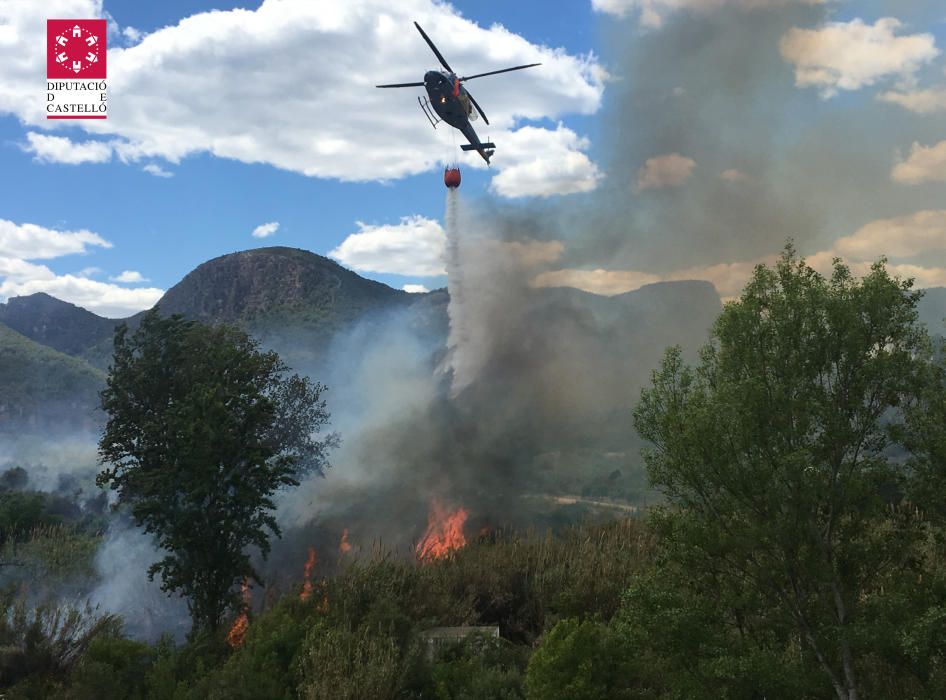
[[56, 324], [255, 284]]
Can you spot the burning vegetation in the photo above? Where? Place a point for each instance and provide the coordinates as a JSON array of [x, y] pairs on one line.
[[306, 592], [444, 532], [237, 632]]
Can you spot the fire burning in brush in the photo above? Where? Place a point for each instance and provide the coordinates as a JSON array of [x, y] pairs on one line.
[[343, 546], [307, 576], [444, 532], [307, 588], [237, 632]]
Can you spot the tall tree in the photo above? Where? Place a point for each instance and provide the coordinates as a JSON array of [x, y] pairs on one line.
[[780, 459], [203, 428]]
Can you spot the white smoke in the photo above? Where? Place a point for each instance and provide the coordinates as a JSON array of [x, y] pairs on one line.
[[51, 459], [122, 563], [458, 339]]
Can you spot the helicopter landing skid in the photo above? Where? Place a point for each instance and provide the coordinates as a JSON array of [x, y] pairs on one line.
[[428, 111]]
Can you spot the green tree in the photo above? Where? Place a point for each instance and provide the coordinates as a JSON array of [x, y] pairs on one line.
[[780, 460], [582, 660], [203, 428]]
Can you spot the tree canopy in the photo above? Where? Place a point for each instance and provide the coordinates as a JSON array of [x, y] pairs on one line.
[[786, 459], [202, 430]]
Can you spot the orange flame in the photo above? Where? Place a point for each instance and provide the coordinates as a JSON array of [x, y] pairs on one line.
[[307, 576], [444, 532], [343, 546], [237, 632]]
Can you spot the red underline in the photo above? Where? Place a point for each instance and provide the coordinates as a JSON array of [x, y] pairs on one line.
[[71, 117]]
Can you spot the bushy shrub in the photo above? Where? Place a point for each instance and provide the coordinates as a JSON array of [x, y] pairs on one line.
[[581, 660], [524, 583], [480, 668], [45, 641], [113, 668], [345, 664]]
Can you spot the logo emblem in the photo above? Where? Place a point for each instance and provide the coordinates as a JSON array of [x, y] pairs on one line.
[[75, 48]]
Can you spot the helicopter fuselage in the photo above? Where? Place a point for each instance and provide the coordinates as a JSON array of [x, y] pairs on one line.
[[450, 100], [441, 88]]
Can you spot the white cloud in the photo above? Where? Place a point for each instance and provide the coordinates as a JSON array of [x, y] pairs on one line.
[[544, 163], [89, 271], [852, 55], [132, 35], [415, 289], [32, 242], [670, 170], [129, 277], [20, 243], [330, 122], [899, 237], [918, 101], [157, 170], [59, 149], [100, 298], [413, 247], [604, 282], [654, 12], [265, 230], [925, 164], [733, 175], [529, 252]]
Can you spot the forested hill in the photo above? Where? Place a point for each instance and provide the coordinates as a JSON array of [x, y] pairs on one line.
[[57, 324], [38, 383]]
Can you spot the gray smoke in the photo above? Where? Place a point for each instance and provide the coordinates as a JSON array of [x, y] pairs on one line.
[[123, 587], [712, 86]]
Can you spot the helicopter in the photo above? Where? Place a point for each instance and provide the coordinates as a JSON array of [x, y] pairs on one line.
[[449, 101]]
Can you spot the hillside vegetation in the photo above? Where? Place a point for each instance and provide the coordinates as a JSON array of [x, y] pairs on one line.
[[36, 380]]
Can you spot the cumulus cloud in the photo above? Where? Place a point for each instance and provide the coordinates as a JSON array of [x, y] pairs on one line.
[[529, 252], [604, 282], [107, 300], [852, 55], [899, 237], [265, 230], [330, 122], [59, 149], [728, 278], [544, 163], [129, 277], [21, 243], [132, 35], [733, 175], [925, 164], [654, 12], [157, 170], [919, 101], [670, 170], [415, 289], [415, 247], [32, 242]]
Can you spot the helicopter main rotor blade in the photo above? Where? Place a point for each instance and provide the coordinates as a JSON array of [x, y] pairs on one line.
[[400, 85], [504, 70], [433, 48], [478, 108]]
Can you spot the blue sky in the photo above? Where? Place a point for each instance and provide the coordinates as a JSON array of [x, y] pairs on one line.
[[379, 164]]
